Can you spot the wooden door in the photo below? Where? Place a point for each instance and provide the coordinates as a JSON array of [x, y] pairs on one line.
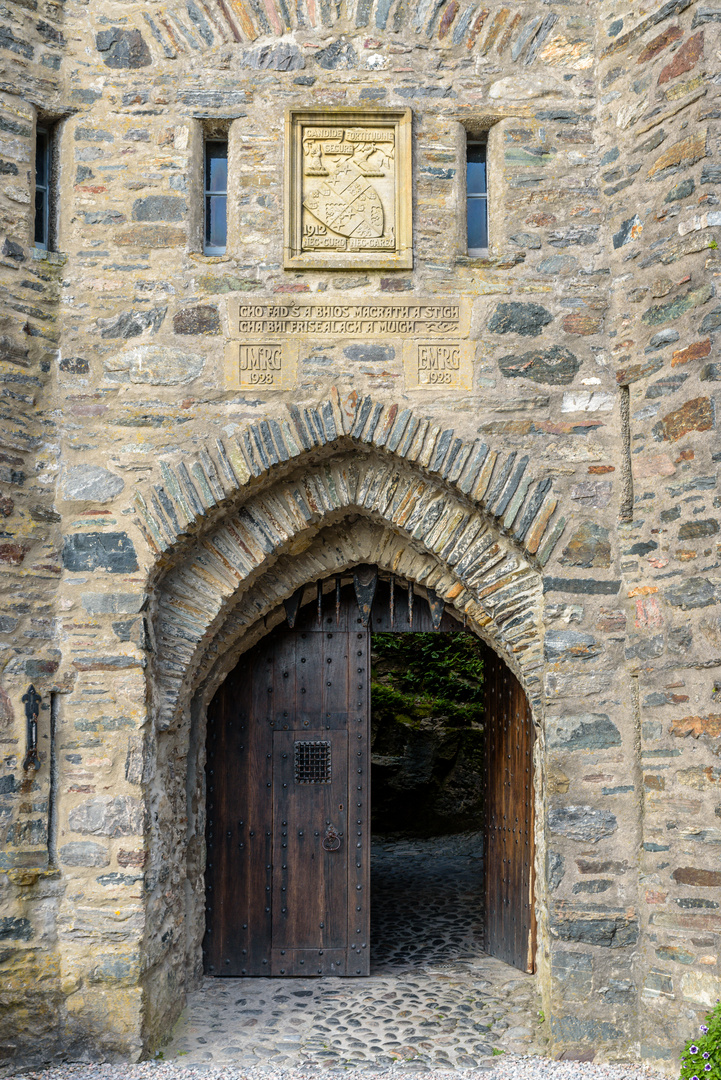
[[288, 827], [509, 909]]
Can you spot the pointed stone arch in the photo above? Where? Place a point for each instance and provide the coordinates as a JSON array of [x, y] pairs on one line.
[[189, 493], [510, 620], [297, 498], [267, 31], [480, 526]]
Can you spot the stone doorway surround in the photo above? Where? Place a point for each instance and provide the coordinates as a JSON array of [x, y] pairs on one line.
[[231, 533], [328, 488]]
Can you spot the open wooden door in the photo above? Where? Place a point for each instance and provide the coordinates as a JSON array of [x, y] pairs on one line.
[[288, 837], [509, 850]]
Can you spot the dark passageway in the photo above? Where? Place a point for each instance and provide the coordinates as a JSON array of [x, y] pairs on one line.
[[427, 799]]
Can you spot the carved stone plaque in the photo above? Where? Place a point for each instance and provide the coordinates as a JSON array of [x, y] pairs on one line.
[[348, 189], [266, 337], [438, 364], [254, 364]]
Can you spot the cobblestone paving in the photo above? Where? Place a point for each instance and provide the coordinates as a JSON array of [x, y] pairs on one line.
[[434, 1000]]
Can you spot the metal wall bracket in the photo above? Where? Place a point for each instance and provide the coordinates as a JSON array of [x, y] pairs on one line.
[[31, 699]]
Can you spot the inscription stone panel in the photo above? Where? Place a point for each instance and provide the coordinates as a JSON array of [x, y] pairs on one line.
[[348, 189], [266, 335], [438, 365], [261, 365]]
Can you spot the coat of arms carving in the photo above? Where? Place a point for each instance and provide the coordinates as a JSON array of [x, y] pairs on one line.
[[348, 189]]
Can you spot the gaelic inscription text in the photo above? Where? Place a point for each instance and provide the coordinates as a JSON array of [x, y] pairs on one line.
[[346, 320]]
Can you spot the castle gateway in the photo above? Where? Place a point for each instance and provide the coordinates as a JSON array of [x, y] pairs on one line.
[[297, 298]]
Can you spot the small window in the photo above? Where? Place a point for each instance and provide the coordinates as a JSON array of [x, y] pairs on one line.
[[312, 762], [476, 198], [216, 197], [43, 180]]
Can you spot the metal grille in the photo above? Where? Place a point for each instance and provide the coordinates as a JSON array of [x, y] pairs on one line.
[[312, 762]]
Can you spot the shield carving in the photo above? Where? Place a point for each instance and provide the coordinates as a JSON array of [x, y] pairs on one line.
[[347, 204]]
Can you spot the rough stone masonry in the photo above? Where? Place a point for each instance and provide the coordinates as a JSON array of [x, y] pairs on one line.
[[188, 438]]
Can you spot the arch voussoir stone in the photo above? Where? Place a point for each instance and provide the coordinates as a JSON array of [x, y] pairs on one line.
[[335, 550], [190, 494], [247, 562]]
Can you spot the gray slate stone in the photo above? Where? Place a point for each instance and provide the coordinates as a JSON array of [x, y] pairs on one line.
[[692, 530], [154, 365], [570, 645], [574, 971], [284, 57], [555, 366], [159, 208], [668, 385], [339, 55], [589, 546], [582, 823], [712, 321], [517, 318], [693, 593], [640, 647], [526, 240], [203, 319], [589, 731], [368, 354], [112, 603], [625, 232], [108, 816], [556, 869], [123, 48], [596, 493], [114, 969], [557, 264], [112, 551], [681, 191], [84, 853], [610, 931], [132, 323], [663, 337], [15, 929], [92, 483], [592, 586]]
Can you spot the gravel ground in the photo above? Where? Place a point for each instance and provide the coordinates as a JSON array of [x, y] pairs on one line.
[[510, 1067]]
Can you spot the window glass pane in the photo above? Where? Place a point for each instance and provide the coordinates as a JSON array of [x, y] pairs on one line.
[[477, 223], [216, 225], [40, 217], [216, 166], [41, 159], [476, 168]]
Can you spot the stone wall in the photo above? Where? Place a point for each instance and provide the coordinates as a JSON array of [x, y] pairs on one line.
[[658, 179], [32, 47], [567, 504]]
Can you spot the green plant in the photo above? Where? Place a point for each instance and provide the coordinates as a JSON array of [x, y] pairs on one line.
[[446, 669], [495, 1052], [701, 1059]]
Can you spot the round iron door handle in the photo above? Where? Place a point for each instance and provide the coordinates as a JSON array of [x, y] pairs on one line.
[[331, 841]]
